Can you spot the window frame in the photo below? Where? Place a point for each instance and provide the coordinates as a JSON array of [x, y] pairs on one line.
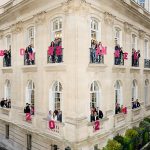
[[134, 41], [146, 93], [146, 49], [29, 39], [118, 29], [134, 89], [8, 43], [7, 89]]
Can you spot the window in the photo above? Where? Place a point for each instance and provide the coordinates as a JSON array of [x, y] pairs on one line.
[[146, 92], [134, 41], [118, 93], [31, 34], [56, 97], [7, 90], [57, 29], [142, 3], [29, 141], [8, 42], [118, 36], [7, 131], [146, 49], [134, 90], [94, 30], [30, 92], [94, 95]]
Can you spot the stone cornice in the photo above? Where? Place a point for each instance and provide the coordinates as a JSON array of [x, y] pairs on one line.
[[142, 34], [1, 34], [39, 18], [16, 28], [109, 18], [128, 27]]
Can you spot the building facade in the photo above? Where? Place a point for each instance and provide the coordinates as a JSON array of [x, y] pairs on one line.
[[63, 55]]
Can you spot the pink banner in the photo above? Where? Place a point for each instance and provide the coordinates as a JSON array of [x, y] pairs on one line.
[[98, 51], [1, 52], [117, 53], [22, 51], [31, 56], [51, 124], [50, 51], [96, 125], [135, 55], [104, 50], [58, 50], [125, 56], [28, 117]]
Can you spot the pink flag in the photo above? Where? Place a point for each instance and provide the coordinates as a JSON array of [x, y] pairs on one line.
[[117, 53], [96, 125], [1, 52], [31, 56], [135, 56], [28, 117], [98, 51], [51, 124], [58, 50], [22, 51], [125, 56], [104, 50], [50, 50]]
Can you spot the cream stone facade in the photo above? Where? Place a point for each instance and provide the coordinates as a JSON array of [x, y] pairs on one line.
[[73, 79]]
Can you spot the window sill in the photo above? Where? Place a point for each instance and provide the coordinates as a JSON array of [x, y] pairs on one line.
[[7, 69], [119, 67], [55, 67], [30, 68], [5, 111], [146, 69], [101, 120], [93, 67], [147, 107], [135, 68], [136, 109]]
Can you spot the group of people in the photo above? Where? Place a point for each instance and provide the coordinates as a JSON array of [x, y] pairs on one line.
[[55, 51], [135, 104], [96, 57], [119, 59], [29, 56], [119, 109], [135, 57], [7, 58], [29, 109], [96, 114], [56, 115], [5, 103]]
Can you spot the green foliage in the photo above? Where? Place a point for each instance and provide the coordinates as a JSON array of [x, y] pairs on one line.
[[131, 133], [147, 119], [113, 145], [119, 139]]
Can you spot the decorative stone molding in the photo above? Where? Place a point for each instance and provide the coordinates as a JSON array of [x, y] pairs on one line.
[[109, 18], [1, 34], [39, 18], [17, 28], [127, 27], [74, 5], [142, 34]]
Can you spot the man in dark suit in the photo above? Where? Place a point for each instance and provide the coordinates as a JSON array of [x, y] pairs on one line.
[[100, 114], [59, 116], [137, 104]]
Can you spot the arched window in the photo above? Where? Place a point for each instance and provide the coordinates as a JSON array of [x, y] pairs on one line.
[[118, 93], [31, 36], [30, 92], [134, 41], [118, 36], [146, 92], [57, 28], [134, 90], [55, 98], [8, 42], [7, 90], [146, 49], [94, 30], [94, 95]]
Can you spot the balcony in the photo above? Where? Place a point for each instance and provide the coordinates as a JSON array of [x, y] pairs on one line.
[[147, 63], [98, 127], [95, 57], [29, 58], [136, 114]]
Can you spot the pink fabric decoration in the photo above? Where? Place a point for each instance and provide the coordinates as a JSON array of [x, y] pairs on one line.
[[125, 56], [96, 125], [104, 50], [1, 52], [28, 117], [117, 53], [50, 50], [51, 124], [98, 51], [58, 50], [135, 55], [31, 56], [22, 51]]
